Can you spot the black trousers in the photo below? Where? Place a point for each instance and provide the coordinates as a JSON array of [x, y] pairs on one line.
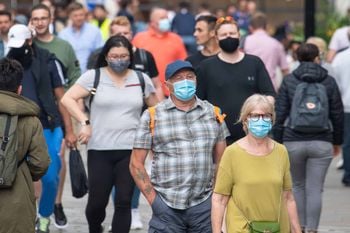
[[105, 170]]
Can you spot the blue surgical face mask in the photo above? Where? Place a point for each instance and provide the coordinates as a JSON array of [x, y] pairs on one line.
[[164, 25], [260, 128], [185, 89]]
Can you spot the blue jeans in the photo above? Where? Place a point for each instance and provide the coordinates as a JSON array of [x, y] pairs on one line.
[[195, 219], [51, 179], [346, 149]]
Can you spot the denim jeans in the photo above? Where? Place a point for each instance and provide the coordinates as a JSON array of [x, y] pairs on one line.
[[309, 162]]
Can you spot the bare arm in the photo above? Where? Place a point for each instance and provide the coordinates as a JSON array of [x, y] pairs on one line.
[[292, 211], [151, 100], [158, 86], [138, 172], [71, 101], [70, 137], [330, 55], [218, 206]]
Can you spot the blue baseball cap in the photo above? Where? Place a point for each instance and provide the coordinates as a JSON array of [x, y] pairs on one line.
[[176, 66]]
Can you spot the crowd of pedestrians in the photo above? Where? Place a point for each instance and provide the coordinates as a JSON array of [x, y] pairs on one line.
[[223, 110]]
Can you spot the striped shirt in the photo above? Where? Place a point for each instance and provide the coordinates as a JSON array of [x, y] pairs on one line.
[[182, 144]]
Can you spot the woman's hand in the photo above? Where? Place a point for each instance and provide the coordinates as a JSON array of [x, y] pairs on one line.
[[85, 134]]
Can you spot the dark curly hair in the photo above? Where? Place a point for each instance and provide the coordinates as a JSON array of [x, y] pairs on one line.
[[11, 74]]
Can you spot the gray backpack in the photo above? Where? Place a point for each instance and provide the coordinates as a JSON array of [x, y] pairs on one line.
[[310, 109], [8, 150]]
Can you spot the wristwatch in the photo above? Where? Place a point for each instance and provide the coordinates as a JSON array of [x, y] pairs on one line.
[[83, 123]]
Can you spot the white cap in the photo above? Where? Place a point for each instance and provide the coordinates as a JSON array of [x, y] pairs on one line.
[[18, 34]]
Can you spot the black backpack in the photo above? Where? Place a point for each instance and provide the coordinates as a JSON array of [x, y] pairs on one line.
[[8, 150], [310, 109]]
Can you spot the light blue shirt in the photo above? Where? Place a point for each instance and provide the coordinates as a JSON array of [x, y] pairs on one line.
[[84, 42]]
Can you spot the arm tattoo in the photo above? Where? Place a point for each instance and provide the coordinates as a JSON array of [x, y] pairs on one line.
[[140, 175], [148, 189]]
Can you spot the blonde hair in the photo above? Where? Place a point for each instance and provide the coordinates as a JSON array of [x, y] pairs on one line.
[[121, 21], [319, 42], [253, 102]]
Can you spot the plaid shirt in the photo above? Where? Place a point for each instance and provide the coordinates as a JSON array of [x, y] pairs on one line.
[[183, 143]]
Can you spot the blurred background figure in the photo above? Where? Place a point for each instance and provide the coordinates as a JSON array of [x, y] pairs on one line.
[[242, 17], [5, 25], [261, 44], [55, 25], [203, 9], [101, 20], [84, 37], [183, 25], [164, 45], [205, 37], [125, 9]]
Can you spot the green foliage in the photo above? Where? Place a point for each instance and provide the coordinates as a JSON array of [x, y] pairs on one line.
[[327, 20]]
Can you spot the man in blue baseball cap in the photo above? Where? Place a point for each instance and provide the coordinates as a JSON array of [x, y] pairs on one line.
[[187, 137]]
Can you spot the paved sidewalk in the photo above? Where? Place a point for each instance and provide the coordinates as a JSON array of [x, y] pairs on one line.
[[335, 216]]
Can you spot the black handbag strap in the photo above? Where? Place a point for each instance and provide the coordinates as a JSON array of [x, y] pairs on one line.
[[94, 88]]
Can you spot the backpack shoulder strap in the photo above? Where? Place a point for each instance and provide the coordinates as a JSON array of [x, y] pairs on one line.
[[142, 81], [143, 57], [219, 117], [5, 137], [152, 114], [94, 88]]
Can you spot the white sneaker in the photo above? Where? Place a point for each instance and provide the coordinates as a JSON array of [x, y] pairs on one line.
[[136, 223], [340, 164]]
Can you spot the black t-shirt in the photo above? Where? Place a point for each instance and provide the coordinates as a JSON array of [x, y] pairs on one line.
[[228, 85], [146, 65], [197, 58]]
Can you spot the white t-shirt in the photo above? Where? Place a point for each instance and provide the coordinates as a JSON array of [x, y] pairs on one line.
[[340, 65], [339, 39], [115, 111]]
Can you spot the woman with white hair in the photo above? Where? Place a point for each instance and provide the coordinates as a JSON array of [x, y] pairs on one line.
[[253, 179]]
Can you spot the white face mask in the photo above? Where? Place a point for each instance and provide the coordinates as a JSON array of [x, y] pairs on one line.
[[164, 25]]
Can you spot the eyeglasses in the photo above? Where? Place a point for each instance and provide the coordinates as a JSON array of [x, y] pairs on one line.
[[255, 117], [42, 19], [226, 19], [118, 57]]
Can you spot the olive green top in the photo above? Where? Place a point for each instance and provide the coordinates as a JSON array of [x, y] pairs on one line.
[[254, 184]]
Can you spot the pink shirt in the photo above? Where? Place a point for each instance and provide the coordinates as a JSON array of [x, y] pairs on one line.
[[269, 50]]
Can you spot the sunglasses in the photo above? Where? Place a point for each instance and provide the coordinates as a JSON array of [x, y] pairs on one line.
[[226, 19]]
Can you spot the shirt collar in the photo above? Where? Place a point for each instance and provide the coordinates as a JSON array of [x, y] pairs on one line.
[[154, 33], [169, 104]]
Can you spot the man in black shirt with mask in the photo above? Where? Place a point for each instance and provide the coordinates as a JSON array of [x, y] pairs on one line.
[[229, 78]]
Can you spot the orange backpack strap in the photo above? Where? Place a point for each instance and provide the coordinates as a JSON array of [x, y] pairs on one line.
[[219, 117], [152, 113]]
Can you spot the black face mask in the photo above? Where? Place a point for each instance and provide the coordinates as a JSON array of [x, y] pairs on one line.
[[23, 55], [229, 44]]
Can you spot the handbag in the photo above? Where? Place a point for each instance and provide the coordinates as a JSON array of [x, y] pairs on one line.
[[77, 173], [264, 227]]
